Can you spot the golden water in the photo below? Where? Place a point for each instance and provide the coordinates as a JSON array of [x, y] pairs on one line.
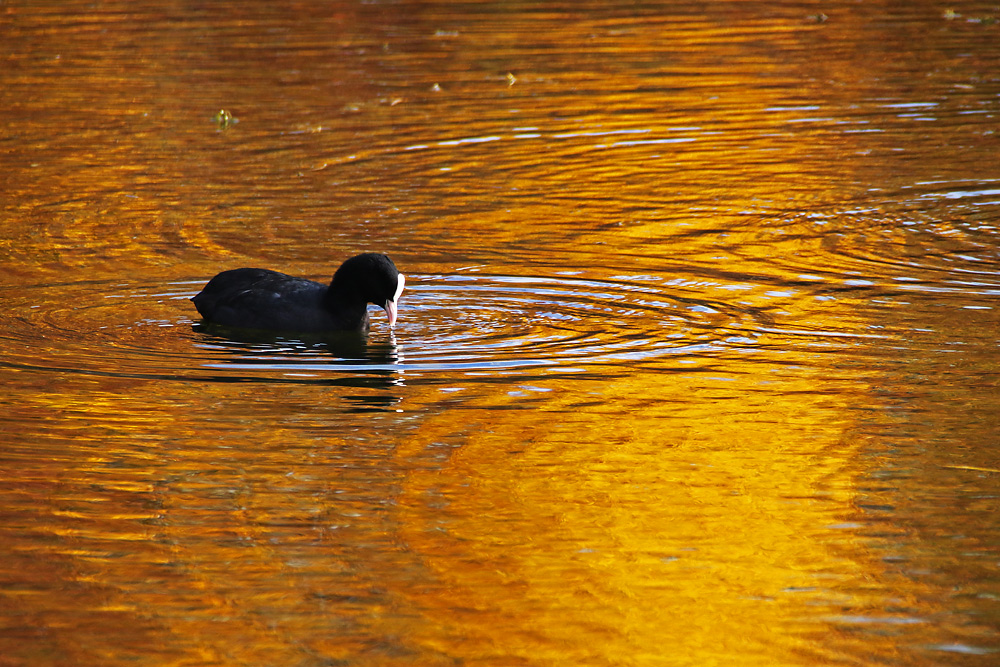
[[697, 362]]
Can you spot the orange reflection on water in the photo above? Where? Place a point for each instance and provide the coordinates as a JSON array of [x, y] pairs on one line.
[[654, 529], [165, 504]]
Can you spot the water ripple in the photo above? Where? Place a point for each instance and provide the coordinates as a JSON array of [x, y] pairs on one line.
[[469, 323]]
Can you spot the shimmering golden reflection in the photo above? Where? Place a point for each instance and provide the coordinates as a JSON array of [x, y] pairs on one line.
[[667, 528], [576, 534], [749, 426]]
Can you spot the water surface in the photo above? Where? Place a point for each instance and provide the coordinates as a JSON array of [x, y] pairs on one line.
[[696, 364]]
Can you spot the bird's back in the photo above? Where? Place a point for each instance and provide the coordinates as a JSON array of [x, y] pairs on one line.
[[265, 299]]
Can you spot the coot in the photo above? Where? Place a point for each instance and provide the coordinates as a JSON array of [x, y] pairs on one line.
[[264, 299]]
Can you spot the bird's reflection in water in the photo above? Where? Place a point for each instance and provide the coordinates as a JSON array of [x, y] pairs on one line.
[[355, 360]]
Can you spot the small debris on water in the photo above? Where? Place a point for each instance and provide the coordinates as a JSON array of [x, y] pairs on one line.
[[224, 120]]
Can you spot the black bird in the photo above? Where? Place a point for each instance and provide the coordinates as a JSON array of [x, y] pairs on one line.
[[265, 299]]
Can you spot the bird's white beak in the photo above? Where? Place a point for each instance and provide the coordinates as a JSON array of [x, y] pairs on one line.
[[392, 305]]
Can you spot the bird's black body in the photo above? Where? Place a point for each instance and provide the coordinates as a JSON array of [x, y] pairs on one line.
[[265, 299]]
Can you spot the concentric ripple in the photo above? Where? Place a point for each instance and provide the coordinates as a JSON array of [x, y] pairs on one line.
[[477, 323], [474, 322], [459, 323], [95, 328], [465, 322]]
